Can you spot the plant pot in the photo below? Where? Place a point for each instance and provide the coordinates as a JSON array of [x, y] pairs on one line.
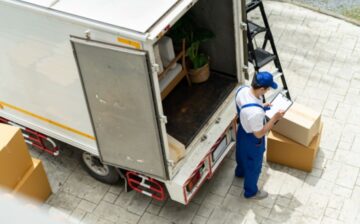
[[200, 75]]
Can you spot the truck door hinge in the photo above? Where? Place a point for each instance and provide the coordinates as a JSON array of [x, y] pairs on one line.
[[163, 119], [245, 68], [87, 34], [243, 26], [171, 163], [155, 68]]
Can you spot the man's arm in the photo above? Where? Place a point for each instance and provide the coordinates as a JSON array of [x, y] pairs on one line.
[[269, 124]]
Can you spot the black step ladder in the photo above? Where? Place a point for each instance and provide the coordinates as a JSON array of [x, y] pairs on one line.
[[258, 56]]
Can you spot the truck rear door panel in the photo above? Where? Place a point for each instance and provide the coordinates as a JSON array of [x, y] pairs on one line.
[[119, 93]]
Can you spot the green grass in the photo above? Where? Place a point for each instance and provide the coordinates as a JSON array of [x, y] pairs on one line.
[[353, 13]]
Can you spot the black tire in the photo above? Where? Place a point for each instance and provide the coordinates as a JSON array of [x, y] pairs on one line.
[[105, 173]]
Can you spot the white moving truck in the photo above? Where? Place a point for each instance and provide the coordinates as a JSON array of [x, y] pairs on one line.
[[86, 72]]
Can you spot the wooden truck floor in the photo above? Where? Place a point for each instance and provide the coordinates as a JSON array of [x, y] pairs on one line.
[[189, 108]]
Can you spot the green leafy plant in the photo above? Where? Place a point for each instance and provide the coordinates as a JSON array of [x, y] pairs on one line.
[[197, 37], [194, 36]]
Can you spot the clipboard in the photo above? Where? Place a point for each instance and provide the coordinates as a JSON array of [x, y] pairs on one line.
[[280, 102]]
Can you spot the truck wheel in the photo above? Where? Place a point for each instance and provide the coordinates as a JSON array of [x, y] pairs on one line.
[[98, 170]]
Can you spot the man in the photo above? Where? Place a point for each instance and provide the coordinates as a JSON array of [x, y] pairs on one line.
[[250, 146]]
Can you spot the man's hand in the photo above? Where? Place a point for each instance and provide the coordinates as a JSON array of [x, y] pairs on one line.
[[279, 115], [270, 124], [267, 104]]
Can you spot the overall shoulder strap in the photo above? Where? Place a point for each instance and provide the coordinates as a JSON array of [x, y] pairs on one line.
[[238, 90], [252, 105]]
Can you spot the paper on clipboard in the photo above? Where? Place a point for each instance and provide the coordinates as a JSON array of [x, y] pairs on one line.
[[280, 102]]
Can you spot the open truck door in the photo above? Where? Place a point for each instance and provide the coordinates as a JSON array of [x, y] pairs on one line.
[[118, 88]]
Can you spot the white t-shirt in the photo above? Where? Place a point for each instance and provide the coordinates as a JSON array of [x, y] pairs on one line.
[[251, 118]]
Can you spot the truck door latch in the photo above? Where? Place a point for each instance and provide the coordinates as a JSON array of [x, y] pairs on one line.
[[155, 68], [163, 119], [243, 26]]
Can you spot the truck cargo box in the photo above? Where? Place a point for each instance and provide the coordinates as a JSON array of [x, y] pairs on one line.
[[86, 73]]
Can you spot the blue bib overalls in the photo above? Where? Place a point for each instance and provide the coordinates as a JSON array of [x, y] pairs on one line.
[[249, 153]]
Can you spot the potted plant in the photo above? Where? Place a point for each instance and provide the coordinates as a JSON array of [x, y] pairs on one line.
[[194, 36], [199, 68]]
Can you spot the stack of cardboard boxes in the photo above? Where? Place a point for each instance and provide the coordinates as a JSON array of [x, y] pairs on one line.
[[20, 173], [294, 140]]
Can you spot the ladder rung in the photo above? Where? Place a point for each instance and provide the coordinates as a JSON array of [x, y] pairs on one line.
[[255, 29], [284, 91], [258, 56], [262, 57], [277, 74], [252, 5]]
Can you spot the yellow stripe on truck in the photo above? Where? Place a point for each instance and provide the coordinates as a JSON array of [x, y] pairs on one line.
[[3, 104], [129, 42]]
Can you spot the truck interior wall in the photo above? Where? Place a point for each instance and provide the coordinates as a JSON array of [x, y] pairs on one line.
[[190, 108], [218, 16]]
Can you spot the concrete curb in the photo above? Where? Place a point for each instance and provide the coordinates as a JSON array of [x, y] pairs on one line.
[[320, 10]]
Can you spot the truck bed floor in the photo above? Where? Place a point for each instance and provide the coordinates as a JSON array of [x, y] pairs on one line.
[[189, 108]]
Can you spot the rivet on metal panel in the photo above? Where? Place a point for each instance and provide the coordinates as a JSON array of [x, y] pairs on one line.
[[190, 5], [218, 120], [161, 34], [87, 34], [203, 138]]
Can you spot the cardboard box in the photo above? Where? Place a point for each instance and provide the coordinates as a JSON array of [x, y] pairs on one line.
[[15, 159], [300, 124], [35, 184], [286, 152]]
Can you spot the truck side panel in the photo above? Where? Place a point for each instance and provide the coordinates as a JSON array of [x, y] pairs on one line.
[[40, 86]]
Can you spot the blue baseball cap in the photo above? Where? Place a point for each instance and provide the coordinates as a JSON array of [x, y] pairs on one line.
[[266, 79]]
